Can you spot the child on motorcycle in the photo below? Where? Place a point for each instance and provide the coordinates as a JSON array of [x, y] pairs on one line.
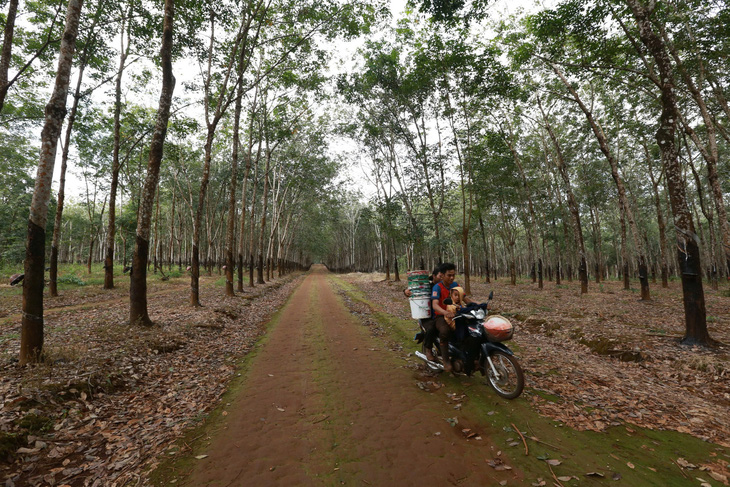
[[439, 294], [457, 301]]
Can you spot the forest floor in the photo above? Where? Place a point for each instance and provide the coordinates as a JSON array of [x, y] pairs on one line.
[[333, 395], [109, 398]]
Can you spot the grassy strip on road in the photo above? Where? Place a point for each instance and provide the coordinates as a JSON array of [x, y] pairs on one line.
[[638, 456]]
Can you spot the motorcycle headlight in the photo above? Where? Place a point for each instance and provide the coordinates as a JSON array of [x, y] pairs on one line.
[[478, 314]]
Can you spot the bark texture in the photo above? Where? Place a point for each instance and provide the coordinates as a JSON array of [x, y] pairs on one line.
[[138, 281], [7, 49], [688, 250], [111, 229], [31, 339]]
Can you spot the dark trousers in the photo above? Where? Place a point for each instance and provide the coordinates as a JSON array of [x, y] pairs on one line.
[[443, 329], [430, 330]]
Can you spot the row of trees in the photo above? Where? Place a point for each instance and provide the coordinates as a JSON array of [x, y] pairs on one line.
[[566, 141], [238, 155], [560, 144]]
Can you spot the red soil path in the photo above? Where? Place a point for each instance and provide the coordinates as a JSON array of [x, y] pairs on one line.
[[322, 405]]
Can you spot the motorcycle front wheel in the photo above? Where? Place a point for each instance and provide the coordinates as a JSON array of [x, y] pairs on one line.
[[509, 380]]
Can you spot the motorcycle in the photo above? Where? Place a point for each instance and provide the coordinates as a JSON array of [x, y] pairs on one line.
[[480, 348]]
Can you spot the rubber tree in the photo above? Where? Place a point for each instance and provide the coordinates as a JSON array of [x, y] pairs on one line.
[[138, 313], [708, 150], [31, 338], [33, 45], [249, 39], [399, 93], [688, 250], [572, 202], [7, 49], [124, 41], [90, 44], [613, 163]]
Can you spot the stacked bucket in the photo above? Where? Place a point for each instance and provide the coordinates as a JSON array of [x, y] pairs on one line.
[[420, 288]]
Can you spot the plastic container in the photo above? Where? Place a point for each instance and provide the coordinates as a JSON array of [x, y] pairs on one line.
[[420, 308], [419, 287], [416, 274], [498, 328]]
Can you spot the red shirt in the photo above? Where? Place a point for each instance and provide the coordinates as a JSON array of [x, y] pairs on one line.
[[441, 293]]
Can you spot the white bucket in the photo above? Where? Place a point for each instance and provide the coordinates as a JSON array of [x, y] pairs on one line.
[[420, 308]]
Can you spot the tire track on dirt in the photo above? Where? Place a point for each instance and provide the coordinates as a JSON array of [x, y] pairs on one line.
[[322, 405]]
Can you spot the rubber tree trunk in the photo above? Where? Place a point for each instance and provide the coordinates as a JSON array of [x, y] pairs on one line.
[[138, 313], [31, 336], [111, 229], [252, 236], [92, 240], [688, 251], [242, 229], [7, 49], [61, 198], [624, 252], [264, 208], [221, 104], [572, 205], [198, 221], [231, 224], [660, 221]]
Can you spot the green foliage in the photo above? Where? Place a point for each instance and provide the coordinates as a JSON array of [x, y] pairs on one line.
[[16, 187], [71, 279], [452, 11]]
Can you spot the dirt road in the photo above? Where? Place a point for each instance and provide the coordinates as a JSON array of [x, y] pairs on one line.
[[324, 404]]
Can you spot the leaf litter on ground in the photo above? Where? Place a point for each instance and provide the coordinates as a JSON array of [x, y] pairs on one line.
[[110, 399], [605, 358]]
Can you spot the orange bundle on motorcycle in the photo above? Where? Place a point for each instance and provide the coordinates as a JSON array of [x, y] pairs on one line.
[[498, 328]]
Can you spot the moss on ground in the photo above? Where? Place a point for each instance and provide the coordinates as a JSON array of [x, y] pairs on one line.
[[636, 456]]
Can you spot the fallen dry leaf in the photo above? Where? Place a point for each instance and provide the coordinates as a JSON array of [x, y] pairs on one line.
[[684, 463], [719, 477], [658, 392], [498, 465], [133, 386]]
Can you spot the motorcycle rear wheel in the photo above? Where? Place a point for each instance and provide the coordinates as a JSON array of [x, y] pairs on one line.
[[510, 380]]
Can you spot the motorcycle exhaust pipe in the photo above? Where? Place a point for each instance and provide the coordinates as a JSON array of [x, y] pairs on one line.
[[431, 364]]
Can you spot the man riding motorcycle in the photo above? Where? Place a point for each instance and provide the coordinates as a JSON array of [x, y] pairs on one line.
[[439, 294]]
